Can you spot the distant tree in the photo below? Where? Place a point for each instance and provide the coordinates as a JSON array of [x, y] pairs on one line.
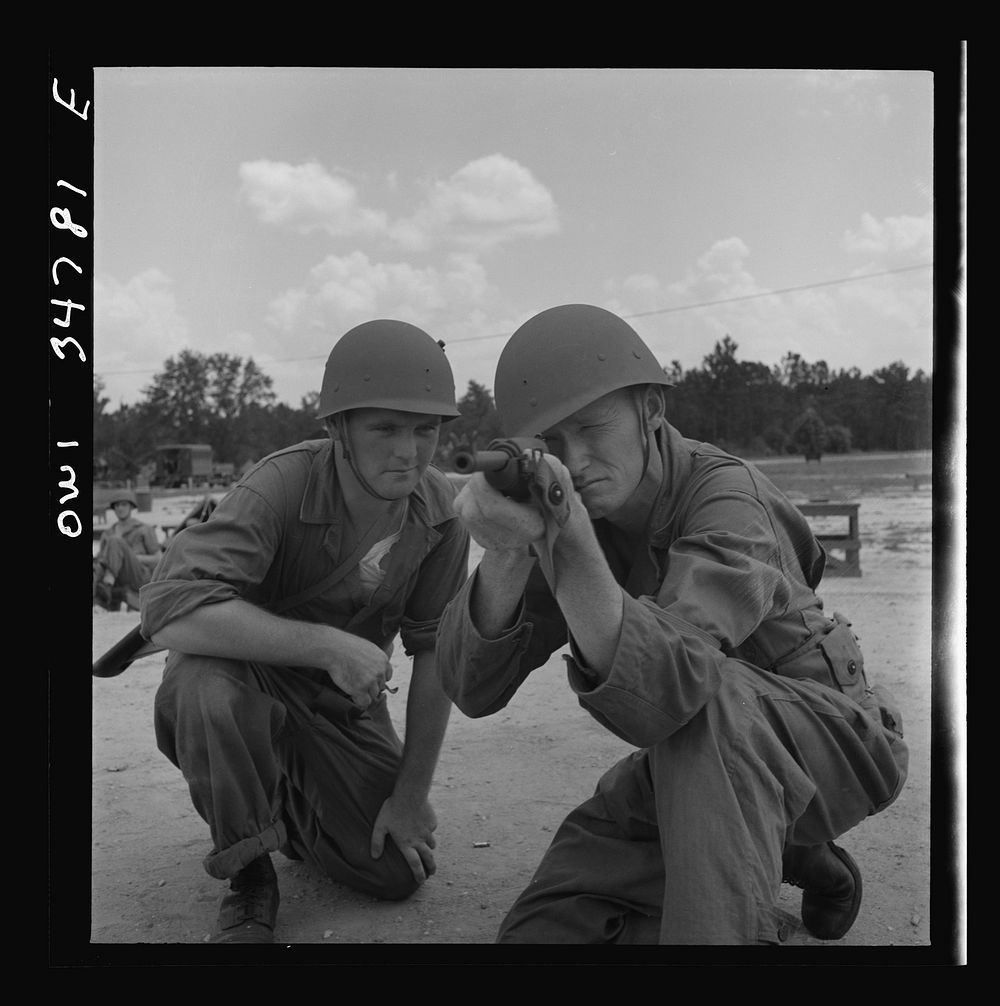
[[775, 439], [849, 404], [206, 399], [123, 443], [310, 403], [794, 370], [477, 424], [235, 384], [901, 406], [838, 439], [101, 433], [718, 392], [674, 373], [100, 402], [809, 434]]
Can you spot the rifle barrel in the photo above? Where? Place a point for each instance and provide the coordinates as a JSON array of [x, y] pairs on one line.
[[467, 462]]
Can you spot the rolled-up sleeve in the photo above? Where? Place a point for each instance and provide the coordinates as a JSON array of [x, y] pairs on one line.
[[481, 674], [226, 557]]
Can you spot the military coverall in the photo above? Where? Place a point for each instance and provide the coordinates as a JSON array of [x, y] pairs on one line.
[[748, 706], [117, 551], [278, 758]]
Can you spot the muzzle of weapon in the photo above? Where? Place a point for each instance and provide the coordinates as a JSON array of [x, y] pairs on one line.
[[505, 465]]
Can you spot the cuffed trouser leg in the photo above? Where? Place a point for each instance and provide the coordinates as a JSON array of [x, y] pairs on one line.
[[768, 760], [275, 758]]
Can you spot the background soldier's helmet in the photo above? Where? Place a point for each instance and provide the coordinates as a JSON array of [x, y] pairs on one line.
[[388, 365], [124, 496], [563, 359]]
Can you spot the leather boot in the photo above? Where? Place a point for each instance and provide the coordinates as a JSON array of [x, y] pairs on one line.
[[247, 914], [103, 594], [831, 887]]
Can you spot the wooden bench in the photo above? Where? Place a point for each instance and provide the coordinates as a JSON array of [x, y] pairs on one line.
[[849, 543], [918, 479]]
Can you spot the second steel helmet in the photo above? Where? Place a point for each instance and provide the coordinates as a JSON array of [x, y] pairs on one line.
[[124, 496], [563, 359], [387, 364]]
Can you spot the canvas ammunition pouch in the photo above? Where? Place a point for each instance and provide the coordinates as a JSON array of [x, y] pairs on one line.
[[833, 658]]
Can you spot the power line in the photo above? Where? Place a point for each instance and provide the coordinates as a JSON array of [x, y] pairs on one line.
[[733, 300], [774, 293], [639, 314]]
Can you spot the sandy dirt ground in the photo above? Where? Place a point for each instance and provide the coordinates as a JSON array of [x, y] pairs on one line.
[[502, 787]]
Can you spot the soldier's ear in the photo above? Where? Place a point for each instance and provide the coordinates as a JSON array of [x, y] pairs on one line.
[[655, 405]]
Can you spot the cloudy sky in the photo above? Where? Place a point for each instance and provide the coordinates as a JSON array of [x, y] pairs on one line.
[[265, 211]]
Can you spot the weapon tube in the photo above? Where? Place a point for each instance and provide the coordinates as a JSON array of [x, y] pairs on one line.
[[129, 648], [504, 465]]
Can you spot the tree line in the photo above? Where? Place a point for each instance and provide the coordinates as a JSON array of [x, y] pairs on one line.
[[793, 407]]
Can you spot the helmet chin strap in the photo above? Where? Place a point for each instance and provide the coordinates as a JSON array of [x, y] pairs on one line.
[[345, 447], [637, 398]]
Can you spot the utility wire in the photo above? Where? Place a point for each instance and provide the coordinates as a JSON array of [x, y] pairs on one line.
[[733, 300], [639, 314], [774, 293]]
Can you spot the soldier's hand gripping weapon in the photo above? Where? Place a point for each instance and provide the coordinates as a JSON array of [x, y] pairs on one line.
[[510, 470], [516, 467]]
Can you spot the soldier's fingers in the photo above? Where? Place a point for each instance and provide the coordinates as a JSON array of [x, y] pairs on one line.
[[416, 865], [430, 867]]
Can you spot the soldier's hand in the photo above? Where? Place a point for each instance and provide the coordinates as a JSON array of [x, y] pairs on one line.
[[360, 669], [411, 825], [493, 520]]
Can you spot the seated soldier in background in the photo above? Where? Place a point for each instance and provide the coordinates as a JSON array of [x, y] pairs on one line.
[[126, 557]]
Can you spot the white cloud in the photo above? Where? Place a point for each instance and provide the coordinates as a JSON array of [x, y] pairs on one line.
[[644, 284], [306, 197], [863, 324], [718, 274], [493, 199], [285, 310], [721, 267], [907, 304], [346, 289], [906, 235], [137, 326], [487, 202]]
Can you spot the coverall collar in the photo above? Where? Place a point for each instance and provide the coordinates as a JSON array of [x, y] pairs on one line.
[[677, 466]]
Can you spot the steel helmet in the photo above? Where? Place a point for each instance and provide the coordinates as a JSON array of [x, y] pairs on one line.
[[563, 359], [124, 496], [388, 365]]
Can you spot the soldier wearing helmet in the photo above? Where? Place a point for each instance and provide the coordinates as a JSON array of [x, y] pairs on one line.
[[126, 556], [685, 585], [280, 612]]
